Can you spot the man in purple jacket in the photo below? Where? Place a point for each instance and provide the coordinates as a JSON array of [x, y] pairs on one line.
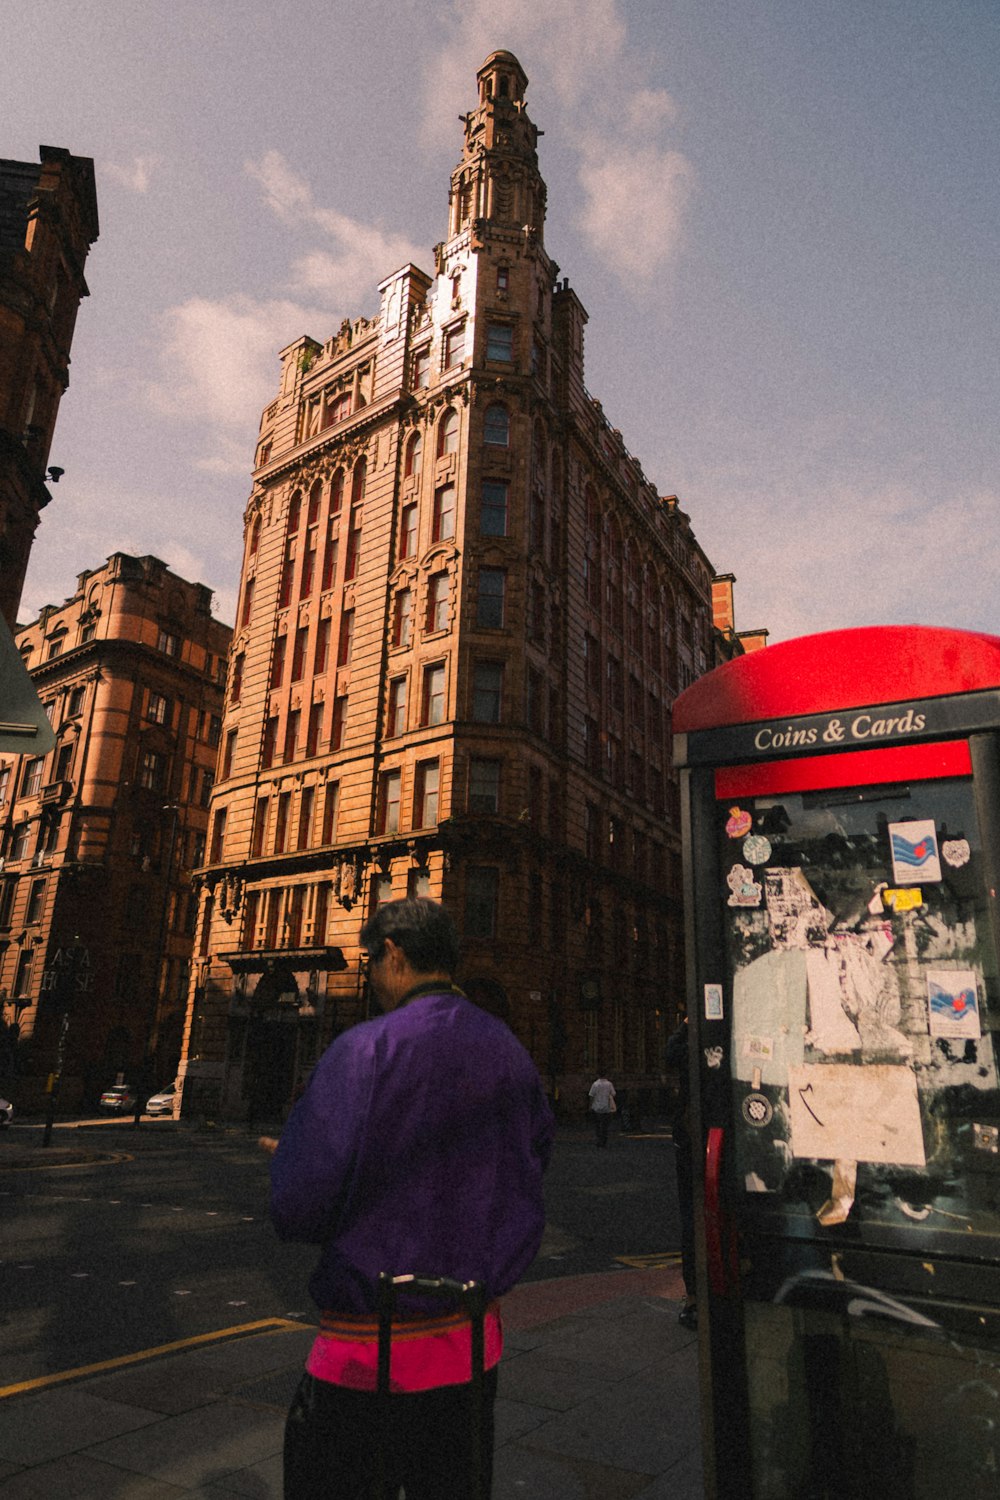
[[418, 1146]]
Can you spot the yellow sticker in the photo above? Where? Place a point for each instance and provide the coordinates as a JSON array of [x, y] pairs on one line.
[[906, 899]]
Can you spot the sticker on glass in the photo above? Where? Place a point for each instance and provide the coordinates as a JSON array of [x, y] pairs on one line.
[[757, 1110], [914, 851], [745, 890], [903, 900], [953, 1003], [713, 1002], [757, 849], [760, 1047], [739, 823], [956, 852], [713, 1056]]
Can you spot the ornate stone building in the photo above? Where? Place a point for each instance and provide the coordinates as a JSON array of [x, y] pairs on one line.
[[464, 614], [48, 221], [98, 837]]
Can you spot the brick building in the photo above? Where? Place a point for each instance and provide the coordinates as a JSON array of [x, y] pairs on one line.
[[48, 221], [464, 614], [99, 836]]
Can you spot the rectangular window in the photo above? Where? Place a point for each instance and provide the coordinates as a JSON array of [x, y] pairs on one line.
[[287, 572], [454, 347], [534, 700], [274, 899], [36, 901], [345, 643], [259, 833], [331, 799], [444, 513], [434, 704], [237, 686], [64, 764], [314, 728], [353, 549], [425, 801], [437, 602], [339, 724], [32, 782], [291, 735], [493, 508], [397, 707], [74, 705], [402, 619], [19, 840], [158, 710], [151, 768], [4, 783], [278, 661], [247, 603], [322, 655], [330, 556], [293, 917], [500, 342], [168, 643], [490, 598], [7, 890], [482, 891], [281, 822], [305, 818], [421, 369], [308, 566], [484, 785], [207, 783], [321, 911], [390, 785], [218, 836], [213, 729], [299, 653], [228, 753], [418, 883], [251, 908], [487, 690], [269, 743], [408, 530], [22, 980]]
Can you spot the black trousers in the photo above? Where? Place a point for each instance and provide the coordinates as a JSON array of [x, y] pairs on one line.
[[332, 1437]]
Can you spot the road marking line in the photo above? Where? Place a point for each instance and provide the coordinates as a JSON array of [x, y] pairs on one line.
[[650, 1262], [40, 1382], [110, 1160]]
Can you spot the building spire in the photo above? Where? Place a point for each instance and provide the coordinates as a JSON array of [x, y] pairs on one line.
[[497, 182]]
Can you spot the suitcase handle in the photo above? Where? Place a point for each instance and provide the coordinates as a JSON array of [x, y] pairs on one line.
[[471, 1297]]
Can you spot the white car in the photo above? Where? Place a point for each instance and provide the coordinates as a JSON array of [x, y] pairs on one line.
[[163, 1102], [6, 1113]]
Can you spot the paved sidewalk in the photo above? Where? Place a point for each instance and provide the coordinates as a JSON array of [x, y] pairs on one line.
[[598, 1401]]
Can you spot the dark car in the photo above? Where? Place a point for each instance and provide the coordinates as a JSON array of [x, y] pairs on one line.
[[6, 1113], [119, 1100]]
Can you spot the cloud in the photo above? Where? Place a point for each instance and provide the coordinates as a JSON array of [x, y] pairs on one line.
[[137, 175], [636, 184]]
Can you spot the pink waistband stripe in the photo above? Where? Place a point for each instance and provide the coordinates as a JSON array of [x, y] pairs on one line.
[[426, 1352]]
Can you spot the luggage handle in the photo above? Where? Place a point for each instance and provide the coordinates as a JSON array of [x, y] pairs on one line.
[[471, 1297]]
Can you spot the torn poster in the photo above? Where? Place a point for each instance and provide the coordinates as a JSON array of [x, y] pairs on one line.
[[842, 1112]]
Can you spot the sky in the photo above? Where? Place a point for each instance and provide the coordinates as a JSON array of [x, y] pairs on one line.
[[782, 219]]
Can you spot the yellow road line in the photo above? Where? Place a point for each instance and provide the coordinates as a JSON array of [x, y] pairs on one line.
[[650, 1262], [70, 1166], [42, 1381]]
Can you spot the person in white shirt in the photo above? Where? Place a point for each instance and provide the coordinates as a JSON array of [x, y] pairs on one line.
[[602, 1106]]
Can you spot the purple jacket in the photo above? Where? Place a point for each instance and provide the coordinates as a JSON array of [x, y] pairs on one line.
[[418, 1146]]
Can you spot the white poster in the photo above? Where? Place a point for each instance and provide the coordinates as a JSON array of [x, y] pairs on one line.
[[915, 854], [856, 1112], [953, 1003]]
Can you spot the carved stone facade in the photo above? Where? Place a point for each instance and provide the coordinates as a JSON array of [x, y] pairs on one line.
[[99, 837], [464, 614], [48, 221]]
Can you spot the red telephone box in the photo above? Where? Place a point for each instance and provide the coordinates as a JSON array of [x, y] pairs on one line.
[[841, 807]]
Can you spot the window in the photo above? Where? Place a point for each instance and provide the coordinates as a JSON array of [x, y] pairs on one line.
[[213, 729], [281, 822], [168, 643], [408, 531], [291, 735], [496, 427], [4, 783], [437, 602], [492, 586], [493, 508], [487, 689], [397, 707], [22, 980], [482, 890], [330, 556], [218, 836], [381, 891], [402, 624], [269, 742], [414, 455], [315, 492], [207, 783], [484, 785], [500, 342], [345, 643], [151, 769], [32, 782], [447, 441], [255, 528], [314, 727], [353, 552], [336, 492], [390, 784], [157, 709], [337, 408], [294, 512], [322, 654], [74, 704], [278, 661], [259, 831], [36, 901], [287, 572], [55, 646], [503, 278], [247, 603], [434, 704], [235, 692], [358, 482], [591, 663], [274, 898], [444, 512], [88, 631], [534, 700], [331, 799], [421, 369], [320, 913], [454, 347], [536, 612], [7, 890], [228, 753], [64, 762], [418, 884], [308, 565], [19, 840], [425, 800], [299, 653], [293, 916], [339, 722]]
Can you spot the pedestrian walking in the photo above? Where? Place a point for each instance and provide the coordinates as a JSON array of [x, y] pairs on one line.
[[602, 1106], [677, 1058], [418, 1146]]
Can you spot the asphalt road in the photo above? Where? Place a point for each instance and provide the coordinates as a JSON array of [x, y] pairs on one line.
[[172, 1239]]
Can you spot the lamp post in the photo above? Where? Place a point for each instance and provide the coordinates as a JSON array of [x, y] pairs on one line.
[[162, 968]]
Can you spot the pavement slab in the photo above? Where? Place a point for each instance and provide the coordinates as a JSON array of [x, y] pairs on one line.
[[79, 1477], [199, 1447], [45, 1426]]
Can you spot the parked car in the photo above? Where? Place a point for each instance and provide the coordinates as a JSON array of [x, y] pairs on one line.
[[119, 1100], [163, 1102], [6, 1113]]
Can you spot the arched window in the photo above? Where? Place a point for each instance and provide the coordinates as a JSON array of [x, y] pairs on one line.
[[294, 512], [336, 492], [315, 490], [496, 426], [447, 433], [358, 482], [414, 456], [255, 536]]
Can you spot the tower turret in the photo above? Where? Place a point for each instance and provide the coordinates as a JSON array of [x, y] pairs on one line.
[[497, 181]]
